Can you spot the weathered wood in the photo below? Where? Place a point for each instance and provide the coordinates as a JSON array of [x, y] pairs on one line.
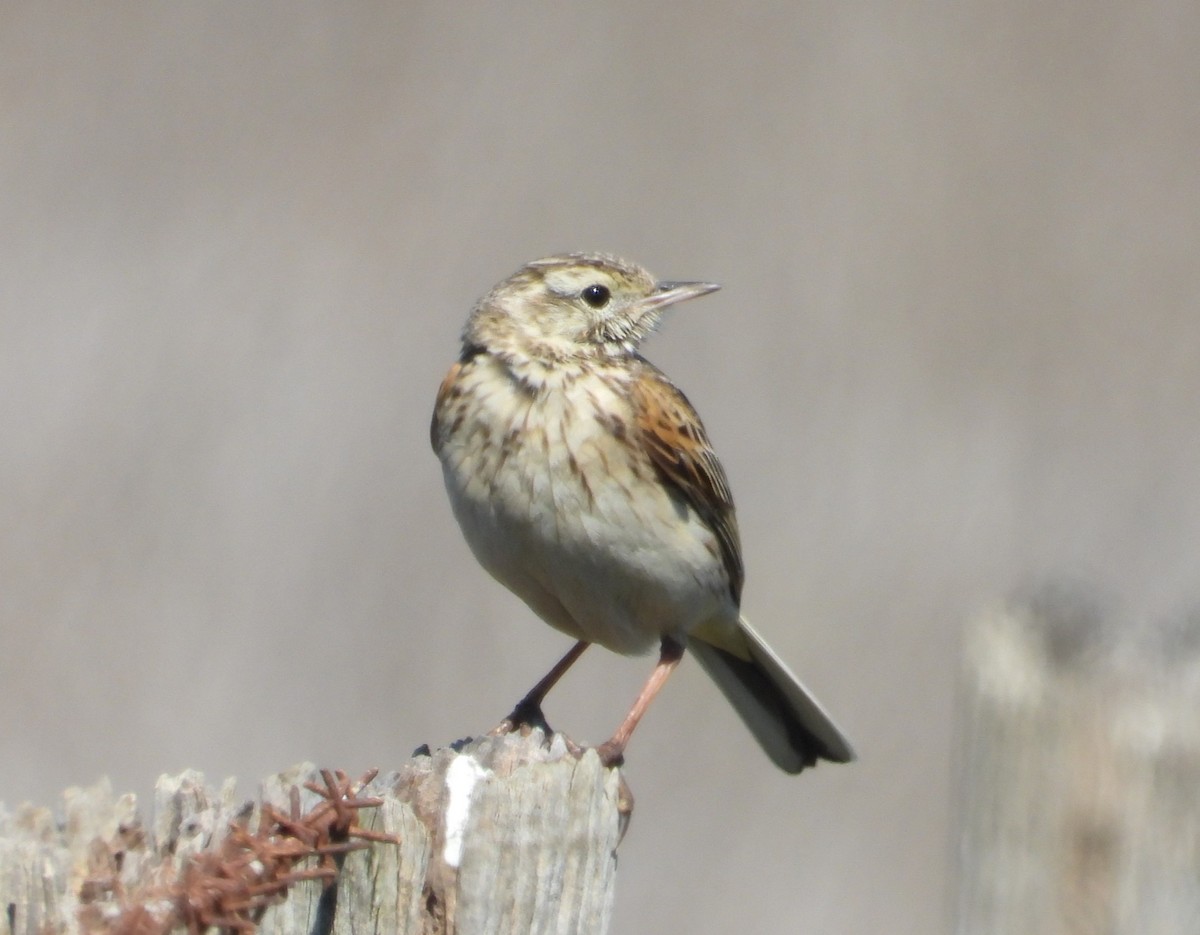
[[502, 834], [1080, 774]]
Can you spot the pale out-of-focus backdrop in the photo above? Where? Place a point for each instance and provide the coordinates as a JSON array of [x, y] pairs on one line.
[[956, 352]]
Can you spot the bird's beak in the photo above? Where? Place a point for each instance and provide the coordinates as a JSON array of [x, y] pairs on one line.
[[668, 293]]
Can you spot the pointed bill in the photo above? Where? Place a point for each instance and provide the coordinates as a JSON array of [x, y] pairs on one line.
[[670, 293]]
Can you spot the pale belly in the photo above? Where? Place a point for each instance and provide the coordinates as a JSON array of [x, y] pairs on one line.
[[586, 536]]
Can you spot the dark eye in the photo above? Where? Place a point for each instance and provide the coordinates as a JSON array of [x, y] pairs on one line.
[[596, 295]]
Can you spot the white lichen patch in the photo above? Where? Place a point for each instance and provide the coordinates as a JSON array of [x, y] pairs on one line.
[[461, 778]]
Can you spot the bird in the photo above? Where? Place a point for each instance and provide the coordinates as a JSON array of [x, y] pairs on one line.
[[584, 481]]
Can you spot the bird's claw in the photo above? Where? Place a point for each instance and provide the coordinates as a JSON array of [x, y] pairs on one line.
[[611, 755], [525, 717]]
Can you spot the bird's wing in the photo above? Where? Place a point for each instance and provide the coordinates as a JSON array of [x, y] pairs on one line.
[[445, 392], [677, 444], [449, 392]]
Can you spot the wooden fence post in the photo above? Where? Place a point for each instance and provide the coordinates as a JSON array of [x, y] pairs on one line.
[[504, 834], [1079, 774]]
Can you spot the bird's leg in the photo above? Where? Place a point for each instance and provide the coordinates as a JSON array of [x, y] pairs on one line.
[[612, 751], [528, 712]]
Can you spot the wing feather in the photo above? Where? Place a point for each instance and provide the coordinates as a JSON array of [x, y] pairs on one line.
[[445, 391], [448, 393], [677, 444]]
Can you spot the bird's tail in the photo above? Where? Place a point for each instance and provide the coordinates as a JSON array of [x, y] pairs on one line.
[[786, 720]]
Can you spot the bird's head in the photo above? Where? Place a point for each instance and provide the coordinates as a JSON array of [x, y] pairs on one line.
[[572, 306]]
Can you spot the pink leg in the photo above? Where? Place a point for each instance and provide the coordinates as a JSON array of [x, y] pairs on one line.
[[612, 751]]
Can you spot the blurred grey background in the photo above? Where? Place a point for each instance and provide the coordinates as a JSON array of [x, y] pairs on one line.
[[956, 352]]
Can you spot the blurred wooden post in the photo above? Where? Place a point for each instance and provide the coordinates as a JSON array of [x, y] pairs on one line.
[[504, 835], [1079, 775]]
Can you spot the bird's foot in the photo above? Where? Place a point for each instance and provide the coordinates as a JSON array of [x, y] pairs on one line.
[[524, 718], [611, 754]]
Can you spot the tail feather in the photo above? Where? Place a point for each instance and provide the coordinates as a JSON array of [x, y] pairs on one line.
[[786, 720]]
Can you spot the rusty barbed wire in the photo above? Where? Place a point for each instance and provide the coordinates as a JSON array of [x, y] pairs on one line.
[[232, 885]]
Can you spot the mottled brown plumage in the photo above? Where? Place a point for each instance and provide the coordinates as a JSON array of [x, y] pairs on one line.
[[584, 481], [675, 440]]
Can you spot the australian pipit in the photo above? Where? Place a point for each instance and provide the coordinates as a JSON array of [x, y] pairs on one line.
[[584, 482]]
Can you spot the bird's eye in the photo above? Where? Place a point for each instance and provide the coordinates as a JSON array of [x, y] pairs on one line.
[[596, 295]]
